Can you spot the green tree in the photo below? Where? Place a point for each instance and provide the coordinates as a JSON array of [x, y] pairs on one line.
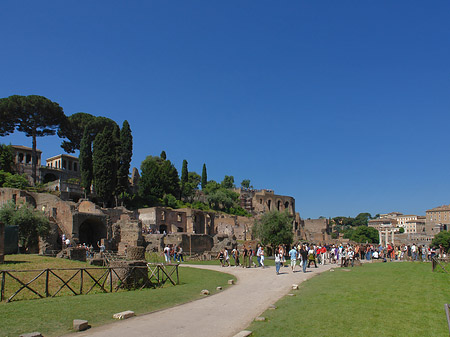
[[227, 182], [245, 183], [442, 238], [184, 177], [9, 112], [191, 187], [85, 159], [37, 116], [6, 158], [364, 234], [274, 228], [163, 155], [204, 177], [74, 126], [126, 153], [158, 177], [18, 181], [104, 165], [362, 219], [32, 223]]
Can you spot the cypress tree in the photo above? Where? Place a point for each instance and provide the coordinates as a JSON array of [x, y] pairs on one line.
[[184, 176], [204, 177], [163, 155], [105, 165], [126, 152], [86, 162]]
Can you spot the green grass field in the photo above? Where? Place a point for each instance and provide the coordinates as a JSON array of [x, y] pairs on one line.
[[54, 316], [382, 299]]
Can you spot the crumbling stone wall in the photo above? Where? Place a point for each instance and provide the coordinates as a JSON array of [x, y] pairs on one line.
[[130, 233]]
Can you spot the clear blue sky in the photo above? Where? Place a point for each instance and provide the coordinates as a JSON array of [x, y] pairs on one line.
[[344, 105]]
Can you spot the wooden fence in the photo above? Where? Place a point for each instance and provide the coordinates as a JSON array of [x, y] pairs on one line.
[[28, 284]]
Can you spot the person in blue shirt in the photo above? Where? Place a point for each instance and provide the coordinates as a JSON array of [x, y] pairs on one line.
[[293, 255]]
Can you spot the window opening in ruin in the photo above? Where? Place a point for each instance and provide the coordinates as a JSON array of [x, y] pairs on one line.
[[445, 227], [70, 166], [20, 157], [286, 205], [64, 164], [260, 201], [179, 217], [268, 203], [162, 229], [278, 205], [28, 158], [179, 229], [14, 198], [75, 167], [163, 215]]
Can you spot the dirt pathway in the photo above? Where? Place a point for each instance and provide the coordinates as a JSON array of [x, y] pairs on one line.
[[221, 315]]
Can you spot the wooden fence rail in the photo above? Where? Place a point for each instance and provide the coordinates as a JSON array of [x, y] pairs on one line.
[[78, 281]]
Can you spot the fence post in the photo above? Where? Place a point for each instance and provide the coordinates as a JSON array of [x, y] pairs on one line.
[[447, 313], [2, 292], [46, 282], [81, 281], [178, 279], [110, 280]]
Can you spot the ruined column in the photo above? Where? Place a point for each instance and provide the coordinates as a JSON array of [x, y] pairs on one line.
[[392, 237], [380, 237], [387, 236]]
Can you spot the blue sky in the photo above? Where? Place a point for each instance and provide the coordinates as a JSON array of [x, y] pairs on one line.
[[343, 105]]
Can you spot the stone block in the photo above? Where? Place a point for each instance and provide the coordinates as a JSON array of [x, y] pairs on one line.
[[295, 287], [124, 314], [290, 294], [135, 253], [272, 307], [260, 319], [230, 281], [205, 292], [31, 334], [80, 324], [244, 333], [219, 288]]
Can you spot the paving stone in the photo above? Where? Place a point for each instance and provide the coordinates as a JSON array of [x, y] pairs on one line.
[[260, 319], [124, 314], [80, 324], [31, 334], [243, 333], [295, 287], [230, 281], [290, 294], [205, 292], [272, 307]]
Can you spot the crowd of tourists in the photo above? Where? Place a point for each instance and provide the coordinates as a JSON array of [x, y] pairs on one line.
[[308, 255]]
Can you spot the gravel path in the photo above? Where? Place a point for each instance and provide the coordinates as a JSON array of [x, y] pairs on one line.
[[221, 315]]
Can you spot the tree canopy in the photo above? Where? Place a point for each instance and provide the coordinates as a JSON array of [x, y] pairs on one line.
[[36, 116], [442, 238], [158, 177], [6, 158], [31, 222], [274, 228]]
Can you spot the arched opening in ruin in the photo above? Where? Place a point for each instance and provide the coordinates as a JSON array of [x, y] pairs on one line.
[[163, 229], [50, 177], [278, 205], [268, 204], [179, 229], [445, 227], [92, 231], [286, 205]]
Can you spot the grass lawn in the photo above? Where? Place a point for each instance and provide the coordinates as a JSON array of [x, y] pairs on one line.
[[382, 299], [54, 316]]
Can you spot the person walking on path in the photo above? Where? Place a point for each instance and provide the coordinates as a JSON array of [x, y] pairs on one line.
[[226, 257], [293, 255], [304, 256], [277, 261], [220, 257], [245, 255], [258, 254], [262, 257]]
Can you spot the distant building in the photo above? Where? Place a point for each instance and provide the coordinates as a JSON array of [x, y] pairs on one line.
[[22, 160], [437, 219]]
